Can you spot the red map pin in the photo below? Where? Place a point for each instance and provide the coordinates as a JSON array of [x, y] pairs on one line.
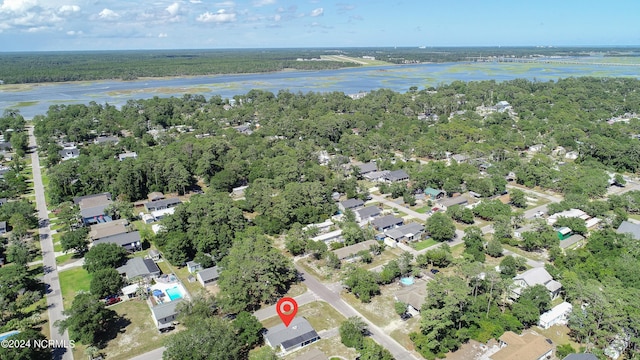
[[287, 308]]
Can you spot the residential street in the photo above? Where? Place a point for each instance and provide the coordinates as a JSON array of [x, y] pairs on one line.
[[333, 298], [54, 295]]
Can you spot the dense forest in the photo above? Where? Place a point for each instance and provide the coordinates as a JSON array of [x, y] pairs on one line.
[[19, 68]]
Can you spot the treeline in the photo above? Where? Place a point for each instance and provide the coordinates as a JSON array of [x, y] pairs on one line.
[[19, 68]]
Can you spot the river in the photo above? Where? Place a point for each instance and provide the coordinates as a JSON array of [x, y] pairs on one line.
[[36, 99]]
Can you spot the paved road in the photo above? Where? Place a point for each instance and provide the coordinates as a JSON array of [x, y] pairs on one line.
[[333, 298], [54, 295], [151, 355]]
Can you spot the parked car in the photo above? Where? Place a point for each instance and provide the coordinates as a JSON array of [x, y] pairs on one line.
[[113, 300], [435, 271]]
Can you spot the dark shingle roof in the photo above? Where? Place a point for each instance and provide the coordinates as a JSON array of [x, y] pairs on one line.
[[298, 332], [120, 239], [630, 228], [352, 203], [386, 221]]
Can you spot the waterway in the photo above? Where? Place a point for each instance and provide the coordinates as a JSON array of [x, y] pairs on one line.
[[36, 99]]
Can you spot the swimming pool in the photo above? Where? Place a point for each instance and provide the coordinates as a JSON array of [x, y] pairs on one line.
[[174, 293], [7, 334], [407, 281]]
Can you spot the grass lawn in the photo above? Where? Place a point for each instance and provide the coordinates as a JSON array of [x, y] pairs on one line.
[[65, 259], [457, 250], [57, 247], [319, 314], [136, 335], [71, 282], [379, 311], [527, 254], [420, 245], [387, 255], [423, 210]]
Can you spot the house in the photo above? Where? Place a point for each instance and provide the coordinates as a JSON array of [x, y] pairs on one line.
[[92, 208], [130, 291], [406, 233], [413, 296], [376, 175], [239, 191], [564, 232], [351, 251], [3, 227], [165, 313], [155, 196], [3, 201], [154, 254], [571, 213], [111, 228], [575, 239], [329, 237], [502, 106], [386, 222], [350, 204], [162, 204], [434, 194], [528, 346], [208, 275], [147, 218], [139, 267], [511, 176], [128, 155], [580, 357], [459, 158], [244, 129], [160, 214], [322, 227], [536, 276], [299, 333], [367, 168], [559, 315], [449, 202], [106, 140], [129, 241], [395, 176], [68, 153], [571, 155], [535, 148], [630, 228], [367, 214], [5, 146], [193, 267]]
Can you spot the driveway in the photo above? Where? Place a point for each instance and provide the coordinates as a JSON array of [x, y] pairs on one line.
[[54, 295]]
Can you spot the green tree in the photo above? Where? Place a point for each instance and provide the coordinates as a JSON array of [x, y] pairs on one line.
[[104, 256], [494, 248], [440, 227], [87, 319], [106, 282], [440, 256], [510, 265], [474, 243], [400, 307], [362, 283], [564, 350], [255, 273], [518, 198], [19, 252], [213, 339], [27, 352], [248, 328], [353, 331], [75, 240], [374, 351], [68, 214], [333, 262]]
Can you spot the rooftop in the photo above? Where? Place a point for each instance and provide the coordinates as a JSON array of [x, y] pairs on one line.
[[406, 230], [120, 239], [630, 228], [108, 229], [138, 266], [529, 346], [386, 221], [351, 203], [209, 273], [297, 332], [165, 309], [350, 250]]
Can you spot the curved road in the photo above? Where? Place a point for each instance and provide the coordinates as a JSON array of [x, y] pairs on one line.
[[54, 295]]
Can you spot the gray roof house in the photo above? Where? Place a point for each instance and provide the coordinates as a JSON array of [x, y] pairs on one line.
[[3, 227], [193, 266], [350, 204], [108, 229], [287, 338], [536, 276], [580, 357], [351, 251], [376, 175], [155, 196], [69, 153], [128, 155], [165, 313], [368, 168], [630, 228], [407, 232], [367, 213], [129, 241], [413, 296], [162, 204], [457, 200], [386, 222], [208, 275], [139, 267], [396, 175], [92, 208], [106, 140]]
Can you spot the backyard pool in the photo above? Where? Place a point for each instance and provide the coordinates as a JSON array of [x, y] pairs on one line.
[[407, 281], [174, 293], [7, 334]]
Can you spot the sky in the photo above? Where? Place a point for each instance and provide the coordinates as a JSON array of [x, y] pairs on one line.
[[52, 25]]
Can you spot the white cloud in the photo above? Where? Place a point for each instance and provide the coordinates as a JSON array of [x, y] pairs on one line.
[[37, 29], [68, 9], [173, 8], [195, 1], [108, 14], [73, 32], [162, 35], [258, 3], [222, 16], [277, 17], [317, 12], [225, 4], [17, 6]]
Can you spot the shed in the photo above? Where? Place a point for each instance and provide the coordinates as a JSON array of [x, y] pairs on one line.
[[208, 275]]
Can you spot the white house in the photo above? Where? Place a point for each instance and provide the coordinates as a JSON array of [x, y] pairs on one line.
[[536, 276], [559, 315]]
